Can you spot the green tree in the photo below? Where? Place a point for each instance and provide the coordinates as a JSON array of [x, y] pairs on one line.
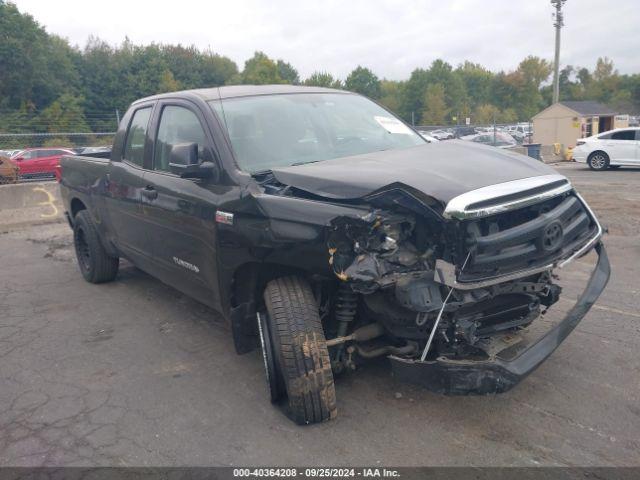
[[168, 83], [363, 81], [35, 68], [260, 70], [65, 114], [477, 82], [486, 114], [287, 73], [435, 107], [323, 79], [390, 95]]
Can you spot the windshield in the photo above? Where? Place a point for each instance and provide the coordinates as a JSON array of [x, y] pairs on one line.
[[280, 130]]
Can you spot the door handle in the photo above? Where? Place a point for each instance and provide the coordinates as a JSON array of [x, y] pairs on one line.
[[150, 192]]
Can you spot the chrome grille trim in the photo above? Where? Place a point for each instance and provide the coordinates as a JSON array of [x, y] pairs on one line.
[[459, 207], [445, 272]]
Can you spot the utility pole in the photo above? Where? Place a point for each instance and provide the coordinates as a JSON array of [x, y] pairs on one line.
[[558, 23]]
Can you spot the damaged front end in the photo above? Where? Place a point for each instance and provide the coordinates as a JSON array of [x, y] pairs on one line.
[[448, 296]]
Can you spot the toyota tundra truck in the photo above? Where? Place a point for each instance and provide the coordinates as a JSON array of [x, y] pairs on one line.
[[327, 232]]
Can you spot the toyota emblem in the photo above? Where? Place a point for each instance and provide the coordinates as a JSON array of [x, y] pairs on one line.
[[552, 237]]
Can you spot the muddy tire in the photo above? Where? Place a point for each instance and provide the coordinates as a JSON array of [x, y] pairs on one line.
[[598, 161], [300, 349], [95, 264]]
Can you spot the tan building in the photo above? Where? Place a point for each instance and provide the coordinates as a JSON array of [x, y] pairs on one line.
[[564, 122]]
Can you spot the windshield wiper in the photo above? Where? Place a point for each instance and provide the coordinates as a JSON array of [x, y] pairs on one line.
[[259, 173], [304, 163]]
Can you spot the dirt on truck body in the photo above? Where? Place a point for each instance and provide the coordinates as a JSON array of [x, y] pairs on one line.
[[329, 233]]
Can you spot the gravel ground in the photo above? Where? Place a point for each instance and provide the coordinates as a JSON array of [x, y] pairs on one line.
[[135, 373]]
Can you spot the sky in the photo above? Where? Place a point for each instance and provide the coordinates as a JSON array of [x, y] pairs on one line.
[[392, 38]]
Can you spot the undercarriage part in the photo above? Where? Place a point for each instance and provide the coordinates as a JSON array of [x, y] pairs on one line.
[[345, 309], [345, 312], [501, 372], [384, 350], [382, 307], [362, 334], [419, 292], [552, 296], [439, 317]]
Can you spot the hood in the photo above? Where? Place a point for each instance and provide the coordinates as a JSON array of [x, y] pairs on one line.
[[440, 170]]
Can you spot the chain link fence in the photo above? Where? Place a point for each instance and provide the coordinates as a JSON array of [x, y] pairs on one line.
[[497, 134], [36, 156]]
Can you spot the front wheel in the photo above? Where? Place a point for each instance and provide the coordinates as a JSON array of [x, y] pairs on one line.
[[300, 350], [598, 161], [96, 265]]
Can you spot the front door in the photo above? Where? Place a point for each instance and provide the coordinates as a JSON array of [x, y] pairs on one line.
[[180, 212], [27, 162]]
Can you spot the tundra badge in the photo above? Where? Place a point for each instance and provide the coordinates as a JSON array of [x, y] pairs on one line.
[[187, 265]]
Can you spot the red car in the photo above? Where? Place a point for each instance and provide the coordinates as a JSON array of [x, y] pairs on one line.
[[39, 162]]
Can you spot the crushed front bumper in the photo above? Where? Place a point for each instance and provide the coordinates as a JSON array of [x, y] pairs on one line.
[[458, 377]]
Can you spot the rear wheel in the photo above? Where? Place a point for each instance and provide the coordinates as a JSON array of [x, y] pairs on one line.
[[95, 264], [300, 350], [598, 161]]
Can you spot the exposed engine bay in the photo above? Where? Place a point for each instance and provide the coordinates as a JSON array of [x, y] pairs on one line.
[[386, 264]]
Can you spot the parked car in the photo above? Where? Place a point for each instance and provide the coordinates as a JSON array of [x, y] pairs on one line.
[[328, 232], [8, 170], [521, 132], [39, 162], [611, 149], [428, 137], [441, 134], [500, 139], [464, 131]]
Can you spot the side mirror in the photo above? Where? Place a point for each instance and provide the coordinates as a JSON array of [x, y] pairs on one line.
[[183, 161], [18, 159]]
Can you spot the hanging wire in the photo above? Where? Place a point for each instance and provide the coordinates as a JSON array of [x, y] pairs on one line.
[[439, 317]]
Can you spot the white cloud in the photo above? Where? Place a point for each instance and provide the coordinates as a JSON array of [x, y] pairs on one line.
[[390, 37]]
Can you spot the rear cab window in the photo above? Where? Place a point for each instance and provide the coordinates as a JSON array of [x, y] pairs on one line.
[[136, 135]]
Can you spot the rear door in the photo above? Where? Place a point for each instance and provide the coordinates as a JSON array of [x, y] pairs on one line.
[[179, 212], [621, 146], [41, 164], [123, 189]]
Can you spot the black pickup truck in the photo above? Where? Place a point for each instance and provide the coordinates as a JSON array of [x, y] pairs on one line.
[[328, 232]]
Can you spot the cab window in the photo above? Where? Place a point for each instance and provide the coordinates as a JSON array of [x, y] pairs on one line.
[[177, 125], [136, 135]]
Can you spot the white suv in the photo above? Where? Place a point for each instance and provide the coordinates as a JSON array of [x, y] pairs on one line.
[[609, 149]]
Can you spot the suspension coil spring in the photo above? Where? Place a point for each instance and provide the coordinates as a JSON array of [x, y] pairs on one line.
[[346, 304]]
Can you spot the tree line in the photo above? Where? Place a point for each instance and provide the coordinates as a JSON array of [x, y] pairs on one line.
[[48, 85]]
